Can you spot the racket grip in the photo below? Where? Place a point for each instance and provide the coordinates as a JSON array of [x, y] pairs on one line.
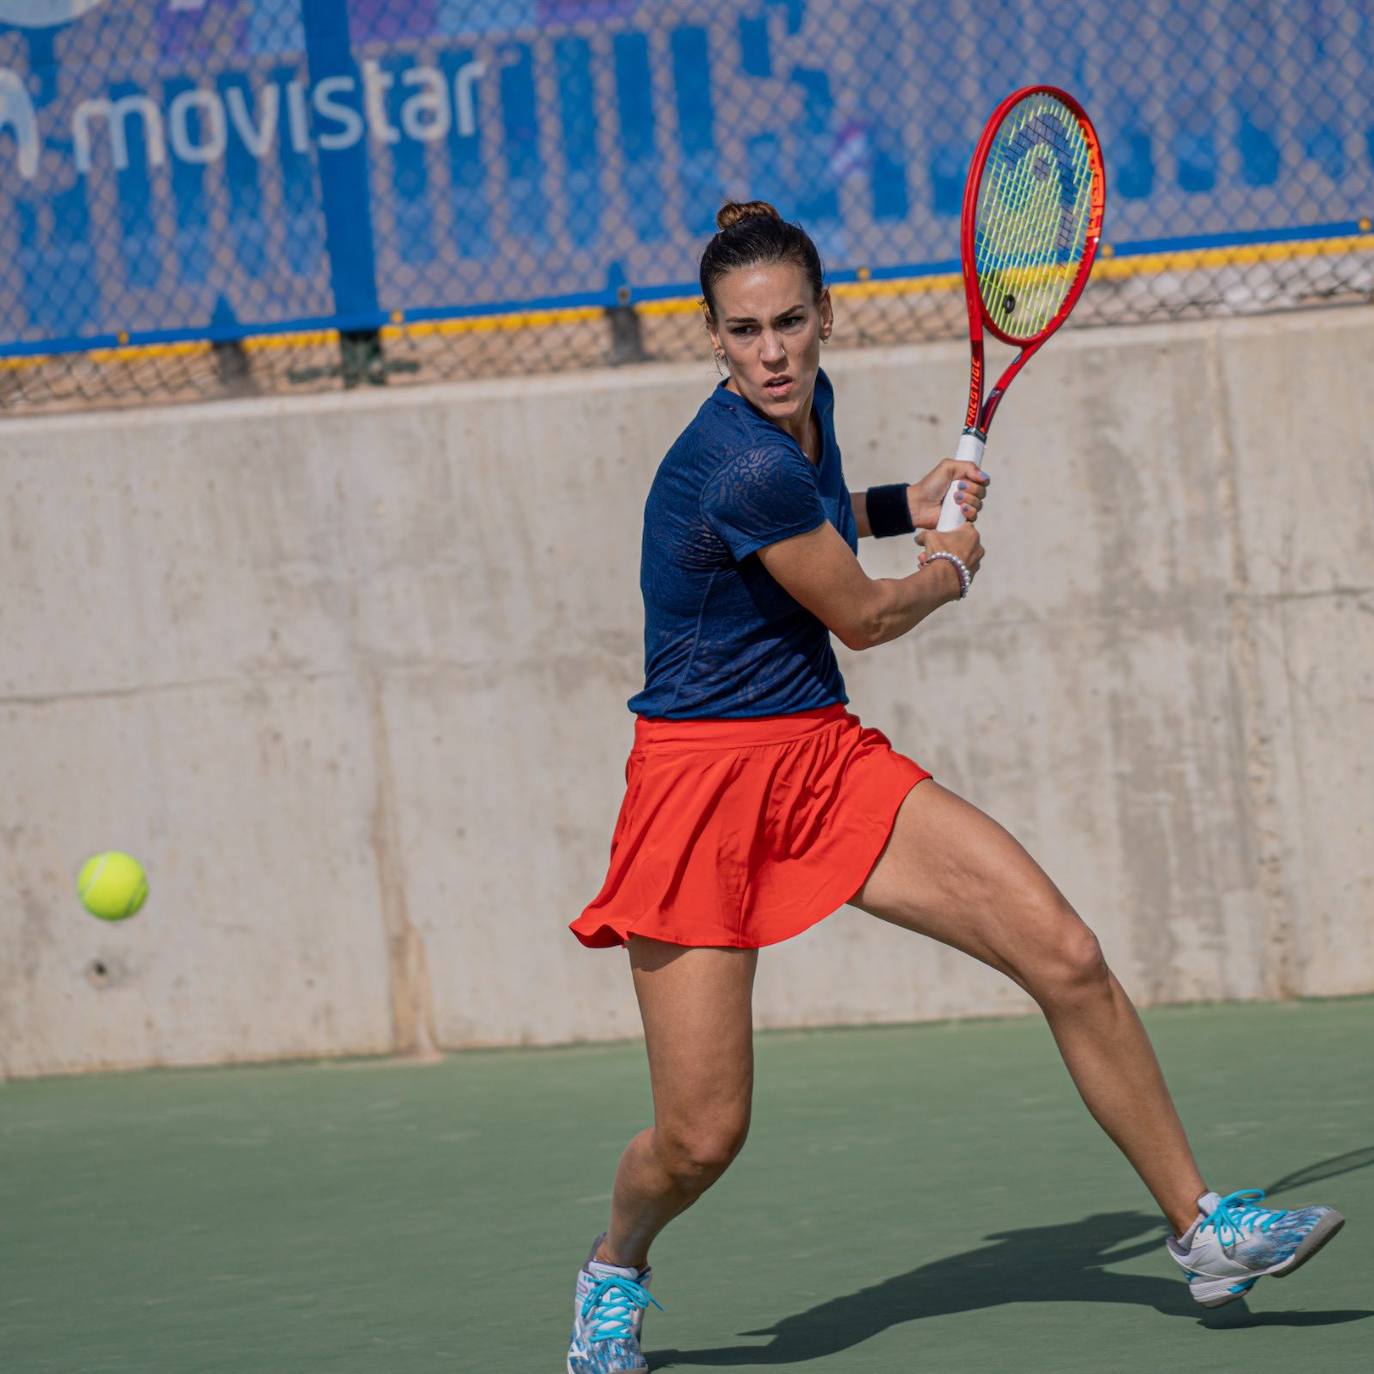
[[970, 450]]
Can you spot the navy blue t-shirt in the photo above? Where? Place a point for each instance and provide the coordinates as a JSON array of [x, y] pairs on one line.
[[721, 637]]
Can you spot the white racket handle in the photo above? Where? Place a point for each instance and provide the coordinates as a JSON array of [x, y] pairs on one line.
[[970, 450]]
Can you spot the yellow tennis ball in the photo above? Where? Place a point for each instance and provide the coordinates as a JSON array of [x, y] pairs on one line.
[[112, 885]]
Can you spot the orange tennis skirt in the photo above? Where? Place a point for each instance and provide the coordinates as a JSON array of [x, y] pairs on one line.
[[745, 832]]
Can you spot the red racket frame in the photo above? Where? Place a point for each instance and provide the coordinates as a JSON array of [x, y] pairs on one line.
[[980, 410]]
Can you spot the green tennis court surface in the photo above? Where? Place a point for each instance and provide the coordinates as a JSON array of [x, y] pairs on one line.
[[918, 1198]]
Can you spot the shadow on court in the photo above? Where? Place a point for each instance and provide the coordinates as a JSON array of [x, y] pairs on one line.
[[1063, 1263], [1334, 1167]]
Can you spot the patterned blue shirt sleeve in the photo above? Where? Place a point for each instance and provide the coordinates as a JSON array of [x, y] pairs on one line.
[[761, 496]]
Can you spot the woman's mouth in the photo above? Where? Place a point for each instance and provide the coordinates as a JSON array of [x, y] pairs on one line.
[[777, 386]]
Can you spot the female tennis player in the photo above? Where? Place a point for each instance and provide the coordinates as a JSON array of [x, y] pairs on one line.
[[756, 804]]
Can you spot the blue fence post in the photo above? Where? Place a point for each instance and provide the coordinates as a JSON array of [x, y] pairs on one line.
[[345, 196]]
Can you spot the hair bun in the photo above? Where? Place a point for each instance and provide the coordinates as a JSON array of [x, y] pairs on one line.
[[733, 211]]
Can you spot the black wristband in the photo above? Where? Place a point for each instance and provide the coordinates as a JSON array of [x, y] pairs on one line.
[[888, 510]]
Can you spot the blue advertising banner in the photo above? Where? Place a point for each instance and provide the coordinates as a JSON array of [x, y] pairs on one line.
[[174, 169]]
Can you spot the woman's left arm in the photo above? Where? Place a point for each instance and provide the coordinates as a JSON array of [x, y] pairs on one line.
[[924, 497], [859, 501]]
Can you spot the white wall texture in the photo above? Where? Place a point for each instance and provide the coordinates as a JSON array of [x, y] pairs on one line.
[[348, 673]]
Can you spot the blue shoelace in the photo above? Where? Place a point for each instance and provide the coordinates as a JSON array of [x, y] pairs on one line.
[[1236, 1213], [615, 1301]]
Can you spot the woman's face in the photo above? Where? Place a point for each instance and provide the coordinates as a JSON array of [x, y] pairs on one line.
[[770, 327]]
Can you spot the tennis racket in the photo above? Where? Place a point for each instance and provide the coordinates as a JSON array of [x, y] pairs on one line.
[[1031, 222]]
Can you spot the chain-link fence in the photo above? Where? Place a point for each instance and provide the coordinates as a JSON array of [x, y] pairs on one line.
[[211, 196]]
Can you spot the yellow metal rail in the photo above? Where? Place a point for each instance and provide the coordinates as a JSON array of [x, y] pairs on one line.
[[1108, 266]]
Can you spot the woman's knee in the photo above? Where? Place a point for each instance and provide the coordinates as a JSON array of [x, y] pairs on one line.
[[1069, 966], [697, 1153]]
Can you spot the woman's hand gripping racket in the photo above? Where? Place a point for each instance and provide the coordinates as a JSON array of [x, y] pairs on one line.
[[1031, 221]]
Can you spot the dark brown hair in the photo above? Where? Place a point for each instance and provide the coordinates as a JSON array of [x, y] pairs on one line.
[[752, 232]]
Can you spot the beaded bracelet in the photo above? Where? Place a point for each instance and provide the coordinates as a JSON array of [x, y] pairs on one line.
[[965, 577]]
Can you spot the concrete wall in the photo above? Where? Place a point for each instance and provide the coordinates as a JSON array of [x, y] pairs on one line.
[[349, 674]]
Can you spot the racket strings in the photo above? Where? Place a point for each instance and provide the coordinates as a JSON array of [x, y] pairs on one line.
[[1028, 247], [1029, 235], [1034, 207]]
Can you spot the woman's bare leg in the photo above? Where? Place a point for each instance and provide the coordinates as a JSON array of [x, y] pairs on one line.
[[952, 873], [697, 1009]]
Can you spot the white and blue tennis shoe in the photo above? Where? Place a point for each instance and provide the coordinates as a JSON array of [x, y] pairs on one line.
[[608, 1312], [1234, 1243]]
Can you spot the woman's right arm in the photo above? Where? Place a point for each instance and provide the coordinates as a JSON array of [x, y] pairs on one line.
[[819, 570]]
